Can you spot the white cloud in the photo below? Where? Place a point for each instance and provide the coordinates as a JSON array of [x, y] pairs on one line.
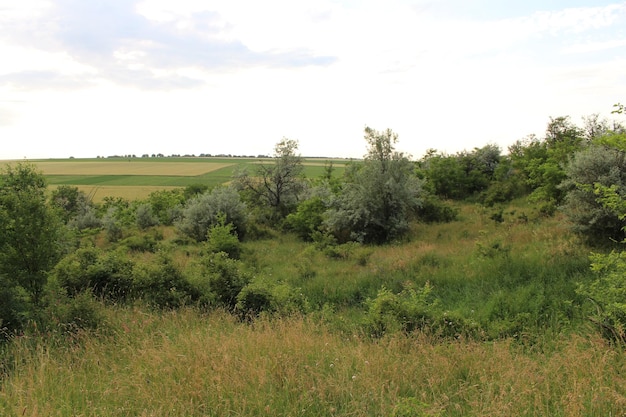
[[219, 76]]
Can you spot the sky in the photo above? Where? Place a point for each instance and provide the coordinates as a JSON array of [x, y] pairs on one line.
[[87, 78]]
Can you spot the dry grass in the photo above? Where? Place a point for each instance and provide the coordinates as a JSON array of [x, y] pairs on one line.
[[186, 364], [129, 168]]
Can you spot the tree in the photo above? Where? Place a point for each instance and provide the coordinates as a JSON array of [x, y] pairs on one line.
[[594, 167], [29, 230], [70, 201], [541, 163], [379, 195], [277, 186]]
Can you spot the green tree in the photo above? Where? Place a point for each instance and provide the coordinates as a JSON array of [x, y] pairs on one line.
[[69, 200], [541, 163], [29, 230], [279, 185], [379, 196]]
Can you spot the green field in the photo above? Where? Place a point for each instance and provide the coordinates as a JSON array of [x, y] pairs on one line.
[[136, 178]]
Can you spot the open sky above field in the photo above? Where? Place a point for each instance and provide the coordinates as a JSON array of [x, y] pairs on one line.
[[95, 78]]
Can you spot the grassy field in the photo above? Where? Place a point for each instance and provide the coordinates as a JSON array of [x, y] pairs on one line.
[[136, 178], [186, 363], [535, 352]]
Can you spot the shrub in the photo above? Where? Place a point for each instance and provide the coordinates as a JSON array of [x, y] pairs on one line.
[[112, 225], [593, 167], [222, 238], [308, 218], [608, 293], [407, 311], [226, 278], [107, 275], [144, 216], [71, 314], [162, 285], [203, 211], [86, 218], [434, 210], [262, 296]]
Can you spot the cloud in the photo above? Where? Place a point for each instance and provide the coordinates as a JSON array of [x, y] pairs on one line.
[[126, 47]]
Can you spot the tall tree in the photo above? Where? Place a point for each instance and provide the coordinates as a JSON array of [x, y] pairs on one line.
[[29, 229], [278, 185], [379, 195]]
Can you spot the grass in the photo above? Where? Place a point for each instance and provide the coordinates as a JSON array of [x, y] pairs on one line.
[[185, 363]]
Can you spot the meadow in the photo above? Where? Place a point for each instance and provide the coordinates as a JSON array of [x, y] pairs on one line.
[[510, 335]]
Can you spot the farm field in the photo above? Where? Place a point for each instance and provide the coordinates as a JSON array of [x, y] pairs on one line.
[[136, 178]]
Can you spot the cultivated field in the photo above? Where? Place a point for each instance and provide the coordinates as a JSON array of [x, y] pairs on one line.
[[136, 178], [130, 167]]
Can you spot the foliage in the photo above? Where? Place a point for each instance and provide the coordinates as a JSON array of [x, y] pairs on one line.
[[434, 210], [166, 205], [541, 163], [202, 212], [112, 224], [226, 278], [308, 217], [162, 285], [86, 217], [70, 315], [108, 275], [223, 238], [276, 186], [145, 217], [462, 175], [608, 293], [69, 200], [410, 310], [263, 296], [29, 230], [414, 309], [590, 169], [379, 196]]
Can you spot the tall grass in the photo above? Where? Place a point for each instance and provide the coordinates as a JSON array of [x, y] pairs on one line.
[[185, 363]]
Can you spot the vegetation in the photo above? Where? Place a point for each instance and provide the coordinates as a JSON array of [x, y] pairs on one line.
[[469, 284]]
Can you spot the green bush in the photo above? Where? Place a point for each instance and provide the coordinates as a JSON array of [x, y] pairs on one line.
[[262, 296], [222, 238], [70, 314], [308, 218], [434, 210], [608, 294], [225, 277], [162, 285], [107, 275], [410, 310]]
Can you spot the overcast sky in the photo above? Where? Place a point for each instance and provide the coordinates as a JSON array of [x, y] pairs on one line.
[[99, 77]]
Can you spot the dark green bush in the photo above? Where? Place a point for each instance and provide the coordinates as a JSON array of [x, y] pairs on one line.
[[226, 278], [107, 275], [162, 285], [435, 210], [223, 238], [261, 296]]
